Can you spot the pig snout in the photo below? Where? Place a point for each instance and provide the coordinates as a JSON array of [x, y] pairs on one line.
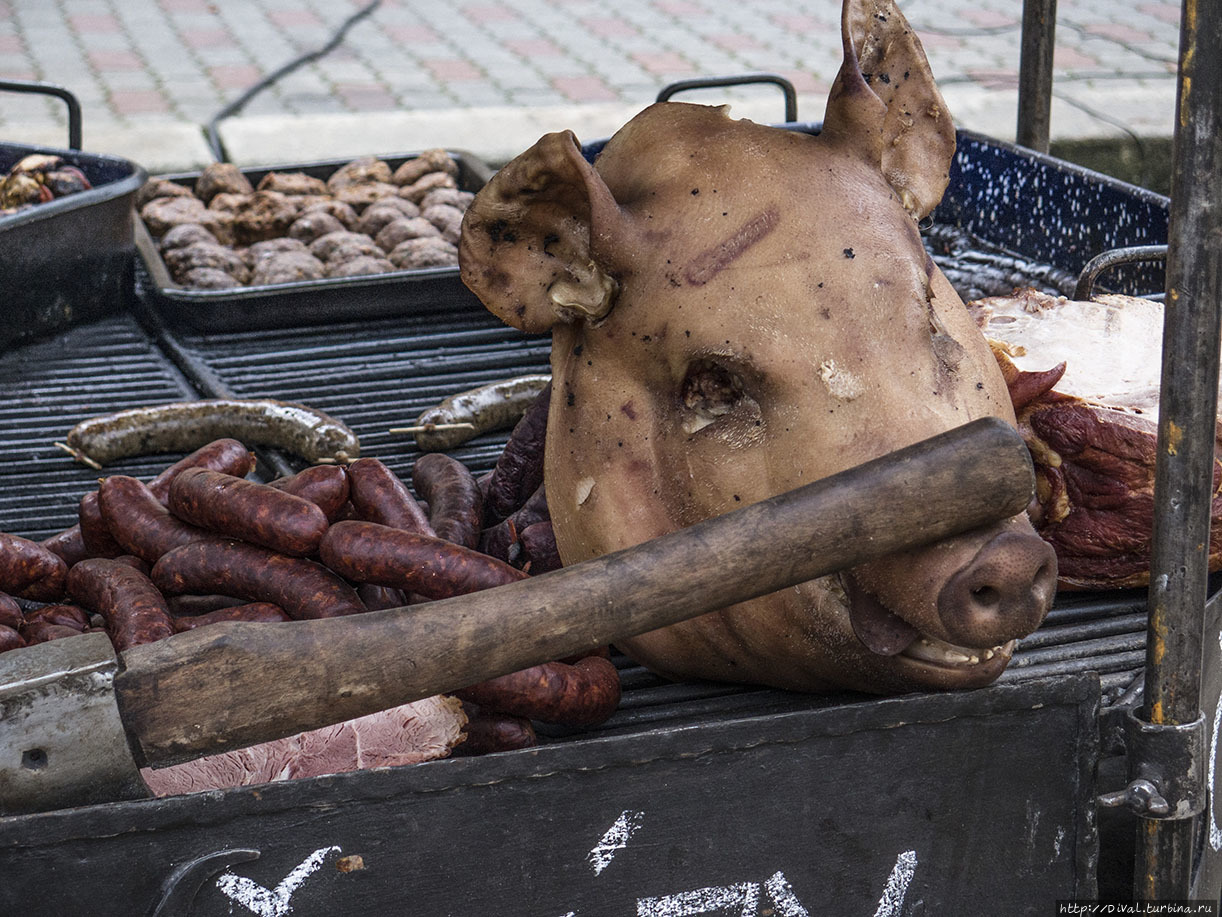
[[1004, 591]]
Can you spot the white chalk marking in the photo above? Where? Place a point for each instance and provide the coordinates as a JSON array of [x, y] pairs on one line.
[[784, 901], [897, 885], [745, 896], [275, 903], [615, 840]]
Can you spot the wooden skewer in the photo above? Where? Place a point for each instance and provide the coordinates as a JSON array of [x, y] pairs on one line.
[[78, 455], [431, 427]]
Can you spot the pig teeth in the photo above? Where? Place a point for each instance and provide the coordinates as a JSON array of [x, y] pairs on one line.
[[930, 649]]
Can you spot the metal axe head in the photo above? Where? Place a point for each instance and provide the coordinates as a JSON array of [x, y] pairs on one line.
[[62, 742]]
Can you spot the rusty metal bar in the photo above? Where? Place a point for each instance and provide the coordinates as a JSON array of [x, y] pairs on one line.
[[1035, 74], [1187, 417]]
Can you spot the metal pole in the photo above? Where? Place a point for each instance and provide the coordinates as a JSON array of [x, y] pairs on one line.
[[1186, 429], [1035, 74]]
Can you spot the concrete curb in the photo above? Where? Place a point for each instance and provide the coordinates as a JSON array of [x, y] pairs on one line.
[[498, 133]]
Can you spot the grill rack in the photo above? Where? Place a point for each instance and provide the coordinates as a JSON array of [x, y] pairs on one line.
[[379, 373]]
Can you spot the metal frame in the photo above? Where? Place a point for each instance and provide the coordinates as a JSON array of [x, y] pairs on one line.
[[1176, 856]]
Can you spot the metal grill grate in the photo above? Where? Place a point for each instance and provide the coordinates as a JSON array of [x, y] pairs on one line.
[[51, 385], [378, 374], [1009, 218]]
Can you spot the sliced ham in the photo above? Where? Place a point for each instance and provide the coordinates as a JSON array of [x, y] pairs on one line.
[[422, 731]]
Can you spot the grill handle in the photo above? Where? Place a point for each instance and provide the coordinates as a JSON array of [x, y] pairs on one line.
[[742, 79], [1085, 288], [49, 89]]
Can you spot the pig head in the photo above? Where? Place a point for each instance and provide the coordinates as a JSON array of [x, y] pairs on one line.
[[737, 310]]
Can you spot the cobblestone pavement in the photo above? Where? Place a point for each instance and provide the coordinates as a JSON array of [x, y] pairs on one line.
[[488, 76]]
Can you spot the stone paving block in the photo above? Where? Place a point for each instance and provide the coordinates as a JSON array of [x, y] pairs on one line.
[[527, 53]]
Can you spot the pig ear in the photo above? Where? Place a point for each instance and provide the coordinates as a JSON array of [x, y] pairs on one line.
[[531, 239], [885, 103]]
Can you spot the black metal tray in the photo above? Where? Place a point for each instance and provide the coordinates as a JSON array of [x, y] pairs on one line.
[[307, 301], [70, 259]]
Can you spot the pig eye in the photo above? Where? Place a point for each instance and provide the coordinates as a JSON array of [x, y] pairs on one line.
[[709, 391]]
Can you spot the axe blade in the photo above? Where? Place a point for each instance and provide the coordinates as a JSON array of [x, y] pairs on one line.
[[62, 742]]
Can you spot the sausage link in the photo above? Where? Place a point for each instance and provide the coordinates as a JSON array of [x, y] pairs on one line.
[[134, 562], [456, 504], [254, 512], [379, 496], [539, 552], [94, 532], [225, 455], [582, 694], [139, 523], [182, 425], [326, 486], [492, 732], [30, 571], [73, 616], [182, 606], [367, 552], [503, 540], [252, 611], [68, 544], [134, 611], [10, 612], [10, 639], [377, 598], [498, 405], [303, 588], [519, 470], [44, 631]]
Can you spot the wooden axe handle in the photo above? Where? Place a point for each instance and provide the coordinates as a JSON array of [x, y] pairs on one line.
[[231, 685]]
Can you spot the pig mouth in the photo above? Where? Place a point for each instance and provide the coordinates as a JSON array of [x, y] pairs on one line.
[[885, 633]]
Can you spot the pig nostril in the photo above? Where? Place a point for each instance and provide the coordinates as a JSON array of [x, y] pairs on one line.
[[987, 597]]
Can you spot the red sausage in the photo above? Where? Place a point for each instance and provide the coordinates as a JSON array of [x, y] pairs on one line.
[[252, 611], [539, 553], [379, 496], [10, 612], [303, 588], [134, 611], [254, 512], [376, 598], [225, 455], [43, 631], [503, 540], [139, 523], [68, 544], [326, 486], [134, 562], [94, 532], [519, 470], [30, 571], [370, 553], [491, 732], [582, 694], [10, 639], [63, 615], [187, 605], [456, 504]]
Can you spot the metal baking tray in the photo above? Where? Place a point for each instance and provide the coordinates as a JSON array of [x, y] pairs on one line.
[[68, 260], [303, 302]]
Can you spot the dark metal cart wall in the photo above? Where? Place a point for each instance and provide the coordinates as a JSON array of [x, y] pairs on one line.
[[693, 798]]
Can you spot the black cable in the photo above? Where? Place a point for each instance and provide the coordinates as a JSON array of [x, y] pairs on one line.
[[214, 137]]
